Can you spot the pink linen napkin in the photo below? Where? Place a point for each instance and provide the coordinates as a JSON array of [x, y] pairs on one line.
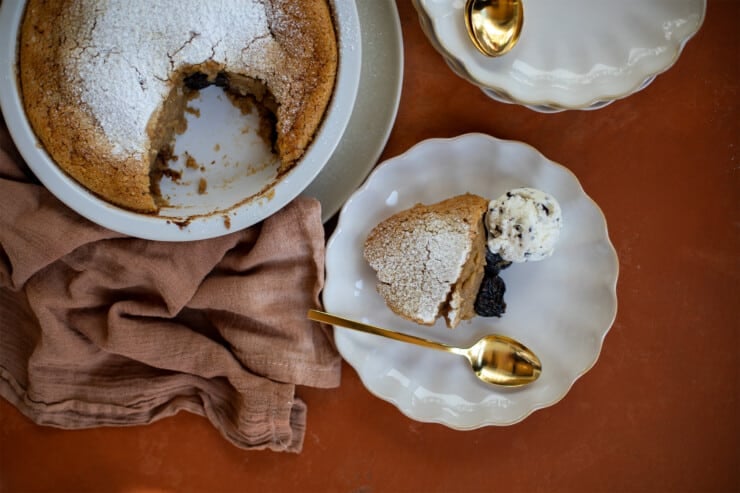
[[101, 329]]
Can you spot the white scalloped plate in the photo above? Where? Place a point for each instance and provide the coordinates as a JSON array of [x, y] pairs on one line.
[[561, 307], [572, 54]]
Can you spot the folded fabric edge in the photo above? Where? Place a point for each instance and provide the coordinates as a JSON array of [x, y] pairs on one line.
[[324, 375], [282, 428]]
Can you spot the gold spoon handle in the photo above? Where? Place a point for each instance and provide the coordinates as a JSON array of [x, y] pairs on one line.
[[328, 318]]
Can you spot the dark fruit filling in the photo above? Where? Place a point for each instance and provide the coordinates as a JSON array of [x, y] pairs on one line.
[[490, 300], [494, 263], [199, 80]]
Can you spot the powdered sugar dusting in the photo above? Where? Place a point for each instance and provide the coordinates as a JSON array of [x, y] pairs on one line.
[[129, 48], [418, 264]]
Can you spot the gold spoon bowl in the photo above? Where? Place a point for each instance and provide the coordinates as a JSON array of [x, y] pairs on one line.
[[495, 359], [494, 26]]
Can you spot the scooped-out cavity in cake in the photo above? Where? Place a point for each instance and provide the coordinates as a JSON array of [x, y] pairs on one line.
[[430, 259], [105, 83]]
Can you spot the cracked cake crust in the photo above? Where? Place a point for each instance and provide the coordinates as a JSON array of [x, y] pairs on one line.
[[430, 259], [103, 88]]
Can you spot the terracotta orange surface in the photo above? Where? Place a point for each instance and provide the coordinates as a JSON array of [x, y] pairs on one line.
[[658, 412]]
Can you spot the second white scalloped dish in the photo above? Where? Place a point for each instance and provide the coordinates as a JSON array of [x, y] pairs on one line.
[[572, 54], [561, 307]]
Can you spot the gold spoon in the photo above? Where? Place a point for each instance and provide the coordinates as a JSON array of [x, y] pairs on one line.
[[495, 359], [494, 25]]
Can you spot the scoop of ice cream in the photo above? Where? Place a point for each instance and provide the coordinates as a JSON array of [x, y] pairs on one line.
[[523, 225]]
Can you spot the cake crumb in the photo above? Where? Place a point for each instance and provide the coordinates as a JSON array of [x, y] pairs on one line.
[[191, 163]]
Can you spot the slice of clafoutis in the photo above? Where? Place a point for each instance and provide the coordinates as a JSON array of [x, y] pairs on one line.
[[430, 259]]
